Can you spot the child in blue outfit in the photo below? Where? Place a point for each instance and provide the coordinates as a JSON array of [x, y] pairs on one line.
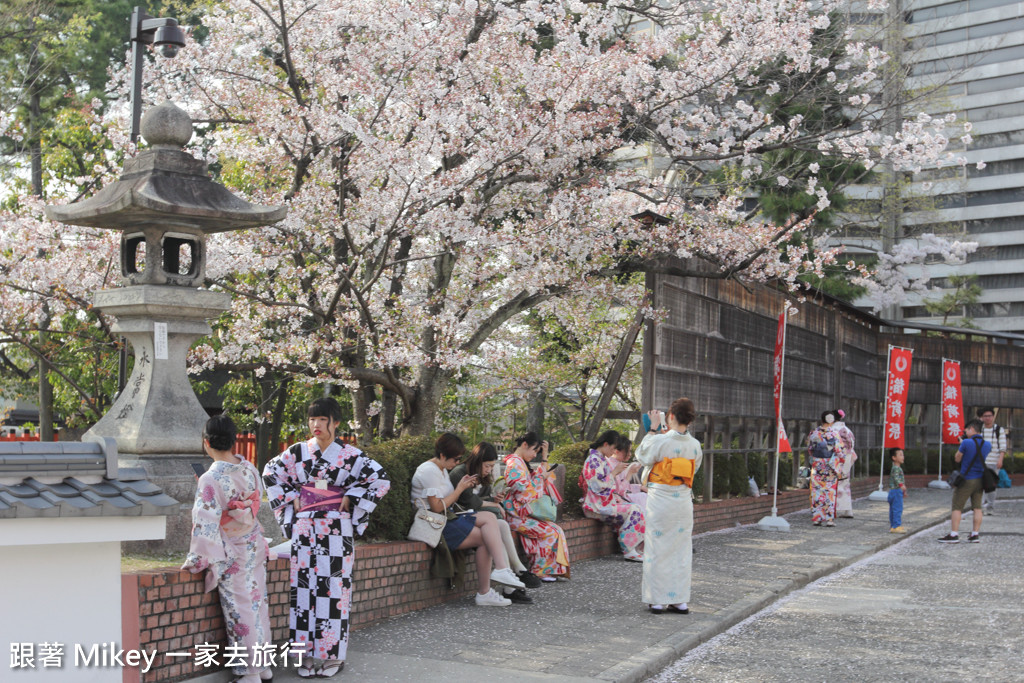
[[897, 492]]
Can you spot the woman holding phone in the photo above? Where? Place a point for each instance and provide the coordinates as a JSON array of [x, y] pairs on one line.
[[543, 541], [432, 489]]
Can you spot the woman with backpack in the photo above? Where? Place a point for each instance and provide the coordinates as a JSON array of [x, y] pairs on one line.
[[826, 456]]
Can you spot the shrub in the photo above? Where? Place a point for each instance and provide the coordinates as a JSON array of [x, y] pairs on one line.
[[738, 479], [400, 458], [571, 456], [1014, 463], [785, 470], [757, 468]]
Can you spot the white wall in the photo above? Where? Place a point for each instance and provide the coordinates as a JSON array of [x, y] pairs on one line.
[[60, 582], [68, 593]]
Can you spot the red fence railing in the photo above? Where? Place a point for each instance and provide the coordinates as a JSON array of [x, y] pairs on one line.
[[25, 437], [245, 445]]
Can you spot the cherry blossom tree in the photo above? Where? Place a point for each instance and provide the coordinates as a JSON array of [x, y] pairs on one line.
[[449, 166]]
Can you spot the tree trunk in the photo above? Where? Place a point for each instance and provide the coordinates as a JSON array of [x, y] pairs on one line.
[[273, 398], [535, 413], [433, 382], [612, 380], [45, 387], [362, 397], [389, 406]]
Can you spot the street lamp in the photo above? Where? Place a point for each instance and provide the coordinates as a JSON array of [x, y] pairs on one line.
[[164, 34]]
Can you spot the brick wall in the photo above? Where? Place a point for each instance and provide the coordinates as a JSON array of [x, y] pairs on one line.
[[174, 615]]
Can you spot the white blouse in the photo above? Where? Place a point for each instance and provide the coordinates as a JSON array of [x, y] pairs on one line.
[[429, 480]]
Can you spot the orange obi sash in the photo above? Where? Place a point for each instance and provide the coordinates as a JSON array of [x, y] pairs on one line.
[[673, 472]]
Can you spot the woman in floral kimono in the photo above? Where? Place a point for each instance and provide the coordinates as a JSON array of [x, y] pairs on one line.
[[671, 460], [601, 498], [624, 484], [826, 457], [844, 495], [544, 542], [322, 492], [228, 543]]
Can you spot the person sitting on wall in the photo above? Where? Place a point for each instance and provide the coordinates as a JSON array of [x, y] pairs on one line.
[[602, 500]]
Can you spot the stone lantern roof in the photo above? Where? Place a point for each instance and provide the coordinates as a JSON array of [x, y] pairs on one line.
[[165, 203], [166, 185]]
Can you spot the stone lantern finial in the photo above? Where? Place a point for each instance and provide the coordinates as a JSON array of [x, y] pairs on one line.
[[167, 125]]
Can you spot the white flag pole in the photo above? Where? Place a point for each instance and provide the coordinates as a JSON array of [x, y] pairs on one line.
[[938, 483], [880, 495], [774, 522]]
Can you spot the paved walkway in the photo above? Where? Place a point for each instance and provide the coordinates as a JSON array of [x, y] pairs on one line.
[[594, 627], [918, 611]]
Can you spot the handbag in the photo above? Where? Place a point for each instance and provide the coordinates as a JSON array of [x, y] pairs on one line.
[[427, 526], [544, 508], [956, 480]]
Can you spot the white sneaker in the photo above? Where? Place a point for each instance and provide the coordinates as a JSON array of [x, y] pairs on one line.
[[506, 577], [491, 599]]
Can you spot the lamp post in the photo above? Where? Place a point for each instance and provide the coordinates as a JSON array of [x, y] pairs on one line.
[[164, 34]]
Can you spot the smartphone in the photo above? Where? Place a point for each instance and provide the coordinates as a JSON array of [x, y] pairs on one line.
[[199, 468]]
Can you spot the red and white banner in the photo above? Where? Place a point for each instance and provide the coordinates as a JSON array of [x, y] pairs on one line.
[[777, 366], [952, 402], [897, 385]]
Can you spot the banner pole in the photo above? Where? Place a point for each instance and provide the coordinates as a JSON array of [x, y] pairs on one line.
[[774, 522], [885, 413], [938, 483], [880, 494]]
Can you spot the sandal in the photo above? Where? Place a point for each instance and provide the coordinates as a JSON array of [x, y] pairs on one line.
[[306, 671], [330, 670]]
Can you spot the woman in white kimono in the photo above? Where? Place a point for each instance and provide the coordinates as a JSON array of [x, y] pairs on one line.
[[228, 544], [844, 495], [322, 492], [670, 462]]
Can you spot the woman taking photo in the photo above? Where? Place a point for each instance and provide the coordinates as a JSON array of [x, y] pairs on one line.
[[543, 541], [432, 489], [670, 461]]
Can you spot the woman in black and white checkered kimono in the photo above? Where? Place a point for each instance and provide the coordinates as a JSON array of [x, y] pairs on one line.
[[346, 486]]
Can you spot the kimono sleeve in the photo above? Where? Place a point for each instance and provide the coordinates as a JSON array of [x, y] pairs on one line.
[[206, 549], [282, 488], [366, 487], [649, 451], [598, 475], [519, 489]]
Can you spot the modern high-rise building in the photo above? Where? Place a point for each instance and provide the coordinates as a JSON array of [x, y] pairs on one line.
[[970, 55]]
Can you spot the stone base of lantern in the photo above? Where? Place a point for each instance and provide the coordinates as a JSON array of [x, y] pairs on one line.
[[157, 419]]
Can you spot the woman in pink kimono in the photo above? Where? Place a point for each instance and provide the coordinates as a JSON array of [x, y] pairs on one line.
[[228, 544], [844, 494], [544, 542], [624, 484], [602, 500]]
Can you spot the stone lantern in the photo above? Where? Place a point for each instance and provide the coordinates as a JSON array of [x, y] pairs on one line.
[[164, 204]]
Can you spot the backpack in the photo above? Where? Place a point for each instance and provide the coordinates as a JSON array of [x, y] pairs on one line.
[[819, 449]]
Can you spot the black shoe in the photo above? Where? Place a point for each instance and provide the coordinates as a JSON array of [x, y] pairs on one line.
[[673, 608], [950, 538], [974, 538], [519, 597], [529, 580], [656, 610]]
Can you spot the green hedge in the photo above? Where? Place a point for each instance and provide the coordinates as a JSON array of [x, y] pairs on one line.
[[572, 456], [400, 458]]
